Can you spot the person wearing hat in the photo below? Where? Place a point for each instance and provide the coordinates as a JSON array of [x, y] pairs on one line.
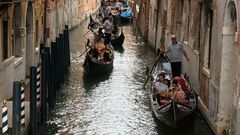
[[175, 50]]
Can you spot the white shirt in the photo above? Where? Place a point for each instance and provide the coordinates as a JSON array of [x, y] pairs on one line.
[[161, 86], [108, 26], [118, 4], [175, 51]]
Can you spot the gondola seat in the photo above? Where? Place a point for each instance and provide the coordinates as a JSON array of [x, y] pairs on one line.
[[164, 101], [184, 101]]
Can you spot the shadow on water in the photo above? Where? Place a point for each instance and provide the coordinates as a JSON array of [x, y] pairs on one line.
[[190, 126], [124, 23], [184, 129], [91, 81]]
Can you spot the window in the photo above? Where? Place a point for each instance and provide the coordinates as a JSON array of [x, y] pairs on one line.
[[198, 27], [5, 38], [155, 18], [36, 34], [207, 51]]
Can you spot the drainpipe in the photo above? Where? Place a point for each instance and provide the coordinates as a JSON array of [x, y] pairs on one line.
[[44, 27], [45, 22], [158, 7]]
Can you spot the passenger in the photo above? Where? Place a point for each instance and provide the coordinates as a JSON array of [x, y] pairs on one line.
[[95, 53], [160, 88], [175, 91], [106, 56], [118, 5]]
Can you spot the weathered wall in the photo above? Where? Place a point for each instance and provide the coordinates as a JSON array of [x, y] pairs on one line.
[[22, 45], [209, 31], [25, 33]]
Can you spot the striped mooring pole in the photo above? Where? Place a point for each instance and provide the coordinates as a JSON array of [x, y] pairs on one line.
[[4, 118], [38, 82], [22, 104]]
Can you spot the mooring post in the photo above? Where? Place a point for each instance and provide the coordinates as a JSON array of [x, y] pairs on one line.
[[43, 88], [33, 100], [16, 107], [4, 118]]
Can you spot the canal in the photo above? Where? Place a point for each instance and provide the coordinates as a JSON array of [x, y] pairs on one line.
[[111, 104]]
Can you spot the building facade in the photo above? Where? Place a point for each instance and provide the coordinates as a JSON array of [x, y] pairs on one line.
[[209, 31], [21, 33]]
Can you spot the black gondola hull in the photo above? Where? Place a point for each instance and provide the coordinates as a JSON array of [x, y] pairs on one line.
[[118, 41], [93, 67]]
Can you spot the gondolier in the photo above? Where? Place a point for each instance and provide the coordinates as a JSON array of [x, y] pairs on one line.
[[175, 50], [108, 27]]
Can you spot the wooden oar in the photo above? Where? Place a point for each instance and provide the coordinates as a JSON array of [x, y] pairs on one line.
[[100, 36], [83, 52], [151, 70], [86, 50]]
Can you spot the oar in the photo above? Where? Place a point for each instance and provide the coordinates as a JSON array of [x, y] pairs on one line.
[[83, 53], [151, 71], [87, 45], [100, 36]]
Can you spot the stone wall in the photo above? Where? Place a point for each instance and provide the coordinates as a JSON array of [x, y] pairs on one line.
[[209, 31], [25, 33]]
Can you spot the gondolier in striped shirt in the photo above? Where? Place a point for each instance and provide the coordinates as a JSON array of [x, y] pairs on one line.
[[175, 50]]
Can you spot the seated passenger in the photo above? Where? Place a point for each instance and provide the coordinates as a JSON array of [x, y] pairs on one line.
[[160, 88], [182, 83], [175, 91], [118, 5], [106, 56], [95, 53]]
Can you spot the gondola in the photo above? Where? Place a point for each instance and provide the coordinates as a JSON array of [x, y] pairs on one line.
[[118, 38], [126, 14], [96, 62], [168, 110]]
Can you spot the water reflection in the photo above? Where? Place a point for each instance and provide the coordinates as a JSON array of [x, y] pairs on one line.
[[92, 80]]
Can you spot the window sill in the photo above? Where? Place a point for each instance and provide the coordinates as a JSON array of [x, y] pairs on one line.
[[196, 52], [6, 62], [18, 61], [206, 72], [37, 50]]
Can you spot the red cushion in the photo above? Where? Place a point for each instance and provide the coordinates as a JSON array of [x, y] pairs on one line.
[[164, 101], [184, 101]]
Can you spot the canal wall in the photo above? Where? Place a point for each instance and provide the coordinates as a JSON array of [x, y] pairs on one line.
[[22, 35]]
